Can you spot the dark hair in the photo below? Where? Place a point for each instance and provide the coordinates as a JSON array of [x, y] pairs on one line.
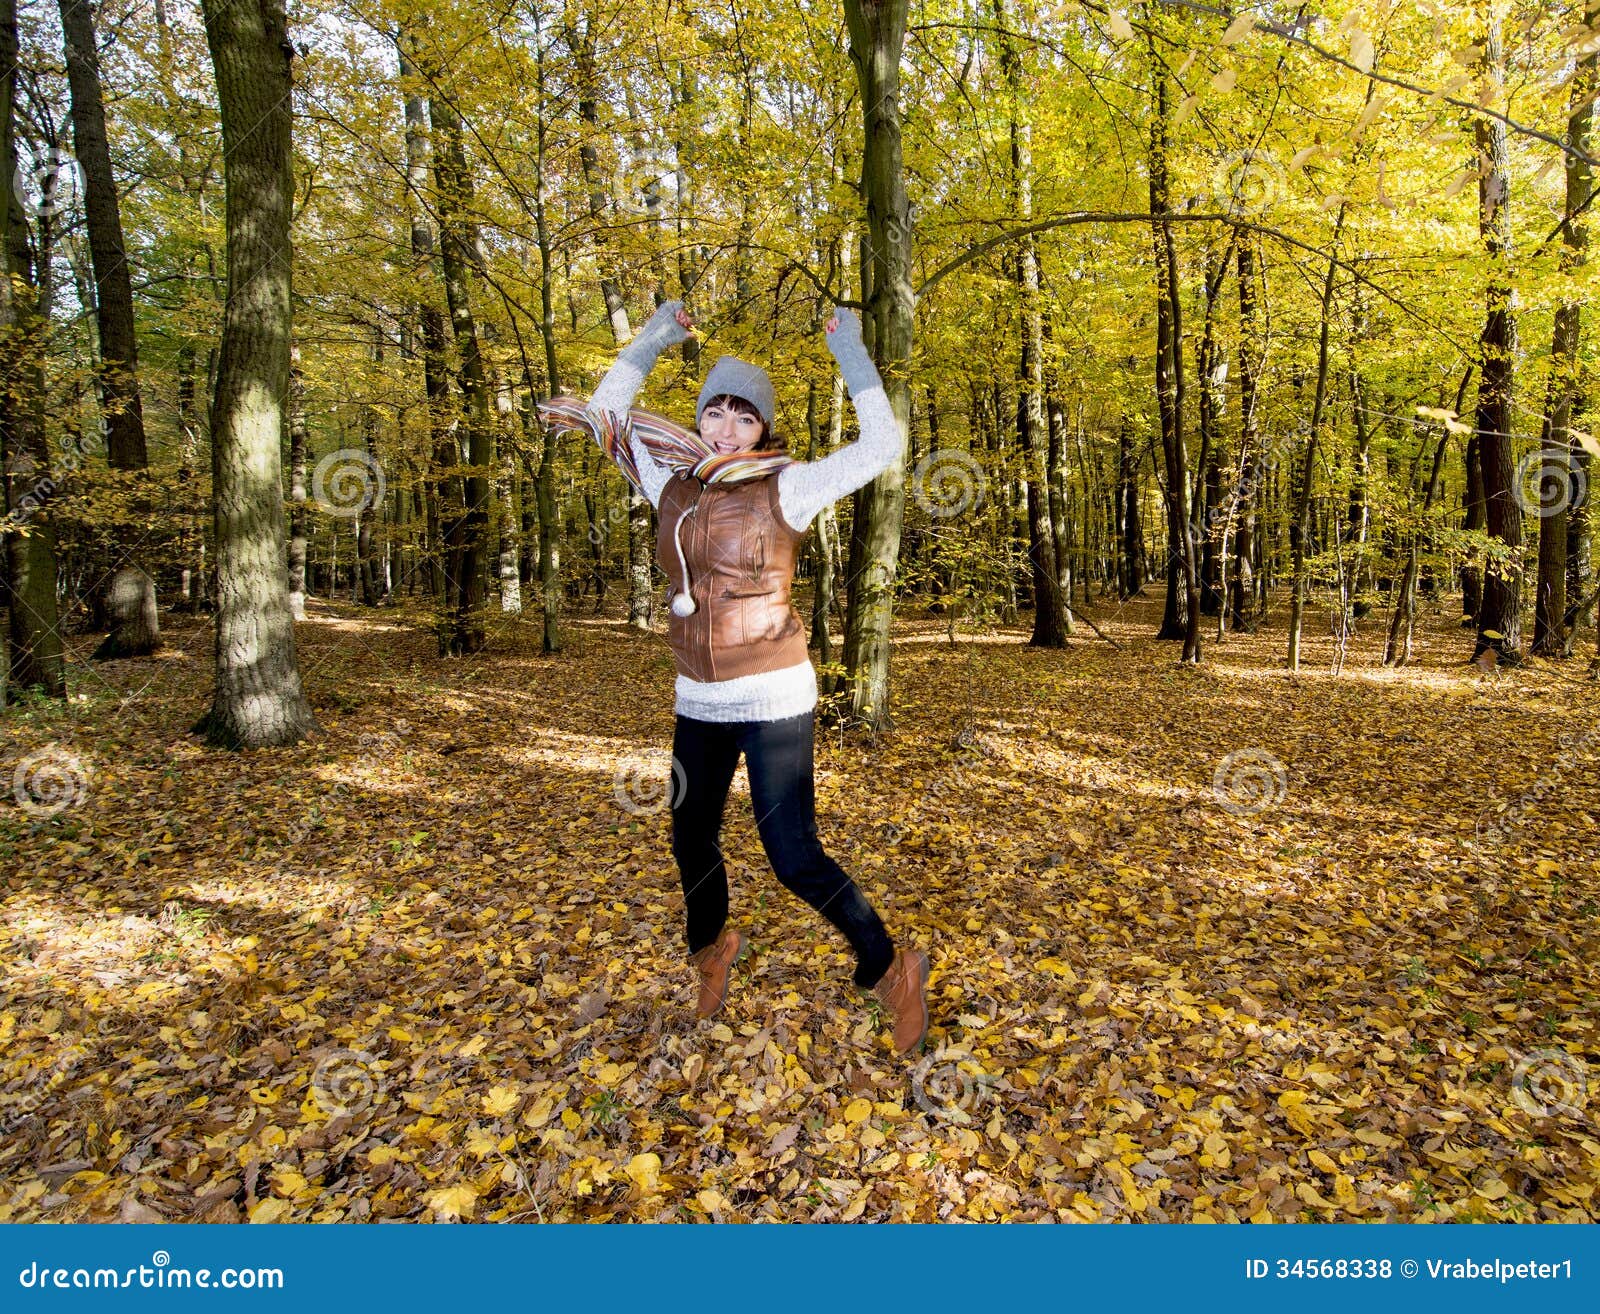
[[768, 442]]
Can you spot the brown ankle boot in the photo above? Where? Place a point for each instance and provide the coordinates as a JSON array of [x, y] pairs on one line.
[[713, 964], [903, 991]]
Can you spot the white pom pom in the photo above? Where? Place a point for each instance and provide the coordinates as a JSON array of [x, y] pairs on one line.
[[683, 605]]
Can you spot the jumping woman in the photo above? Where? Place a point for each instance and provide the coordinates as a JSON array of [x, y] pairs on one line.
[[733, 510]]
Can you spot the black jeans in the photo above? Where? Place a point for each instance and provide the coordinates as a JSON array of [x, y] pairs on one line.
[[778, 755]]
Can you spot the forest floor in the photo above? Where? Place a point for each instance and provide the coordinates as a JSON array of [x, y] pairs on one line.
[[1208, 944]]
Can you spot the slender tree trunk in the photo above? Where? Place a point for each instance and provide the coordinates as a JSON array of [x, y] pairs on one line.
[[1181, 619], [545, 481], [581, 42], [1397, 651], [1049, 619], [131, 595], [297, 491], [1300, 523], [1130, 533], [441, 487], [258, 700], [1556, 457]]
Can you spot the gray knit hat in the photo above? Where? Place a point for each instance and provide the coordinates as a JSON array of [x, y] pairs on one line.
[[737, 378]]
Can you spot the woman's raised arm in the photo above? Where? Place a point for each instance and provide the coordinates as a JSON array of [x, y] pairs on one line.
[[807, 486], [669, 326]]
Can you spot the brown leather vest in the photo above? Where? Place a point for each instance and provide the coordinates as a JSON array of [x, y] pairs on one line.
[[740, 555]]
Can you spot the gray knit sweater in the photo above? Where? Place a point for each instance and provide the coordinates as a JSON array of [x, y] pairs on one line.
[[804, 488]]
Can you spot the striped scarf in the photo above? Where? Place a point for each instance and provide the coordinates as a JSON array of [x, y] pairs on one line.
[[669, 444]]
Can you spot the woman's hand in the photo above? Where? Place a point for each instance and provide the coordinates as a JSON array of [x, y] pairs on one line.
[[669, 326], [844, 341]]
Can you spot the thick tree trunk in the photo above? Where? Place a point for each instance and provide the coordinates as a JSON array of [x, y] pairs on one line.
[[131, 595], [35, 659], [468, 541], [1500, 617], [258, 700], [877, 36]]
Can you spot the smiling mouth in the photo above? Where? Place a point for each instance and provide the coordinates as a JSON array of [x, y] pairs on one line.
[[726, 447]]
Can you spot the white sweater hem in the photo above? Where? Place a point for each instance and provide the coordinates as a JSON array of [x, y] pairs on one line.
[[767, 696]]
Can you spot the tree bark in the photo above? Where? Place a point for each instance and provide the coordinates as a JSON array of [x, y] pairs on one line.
[[1556, 457], [877, 36], [258, 700], [1306, 475], [467, 539], [545, 479], [1500, 617], [1049, 619], [1181, 617], [131, 595], [298, 516], [35, 660]]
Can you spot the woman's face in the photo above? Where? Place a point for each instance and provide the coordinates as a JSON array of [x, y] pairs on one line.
[[729, 430]]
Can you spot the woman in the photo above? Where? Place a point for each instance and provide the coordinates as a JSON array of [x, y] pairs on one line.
[[733, 512]]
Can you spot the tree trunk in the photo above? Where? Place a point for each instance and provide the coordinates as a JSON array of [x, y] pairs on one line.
[[457, 251], [1556, 455], [441, 489], [1500, 618], [1129, 533], [297, 491], [641, 597], [258, 700], [877, 36], [1397, 651], [1306, 476], [131, 596], [35, 659], [1181, 617], [1049, 621], [545, 479]]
